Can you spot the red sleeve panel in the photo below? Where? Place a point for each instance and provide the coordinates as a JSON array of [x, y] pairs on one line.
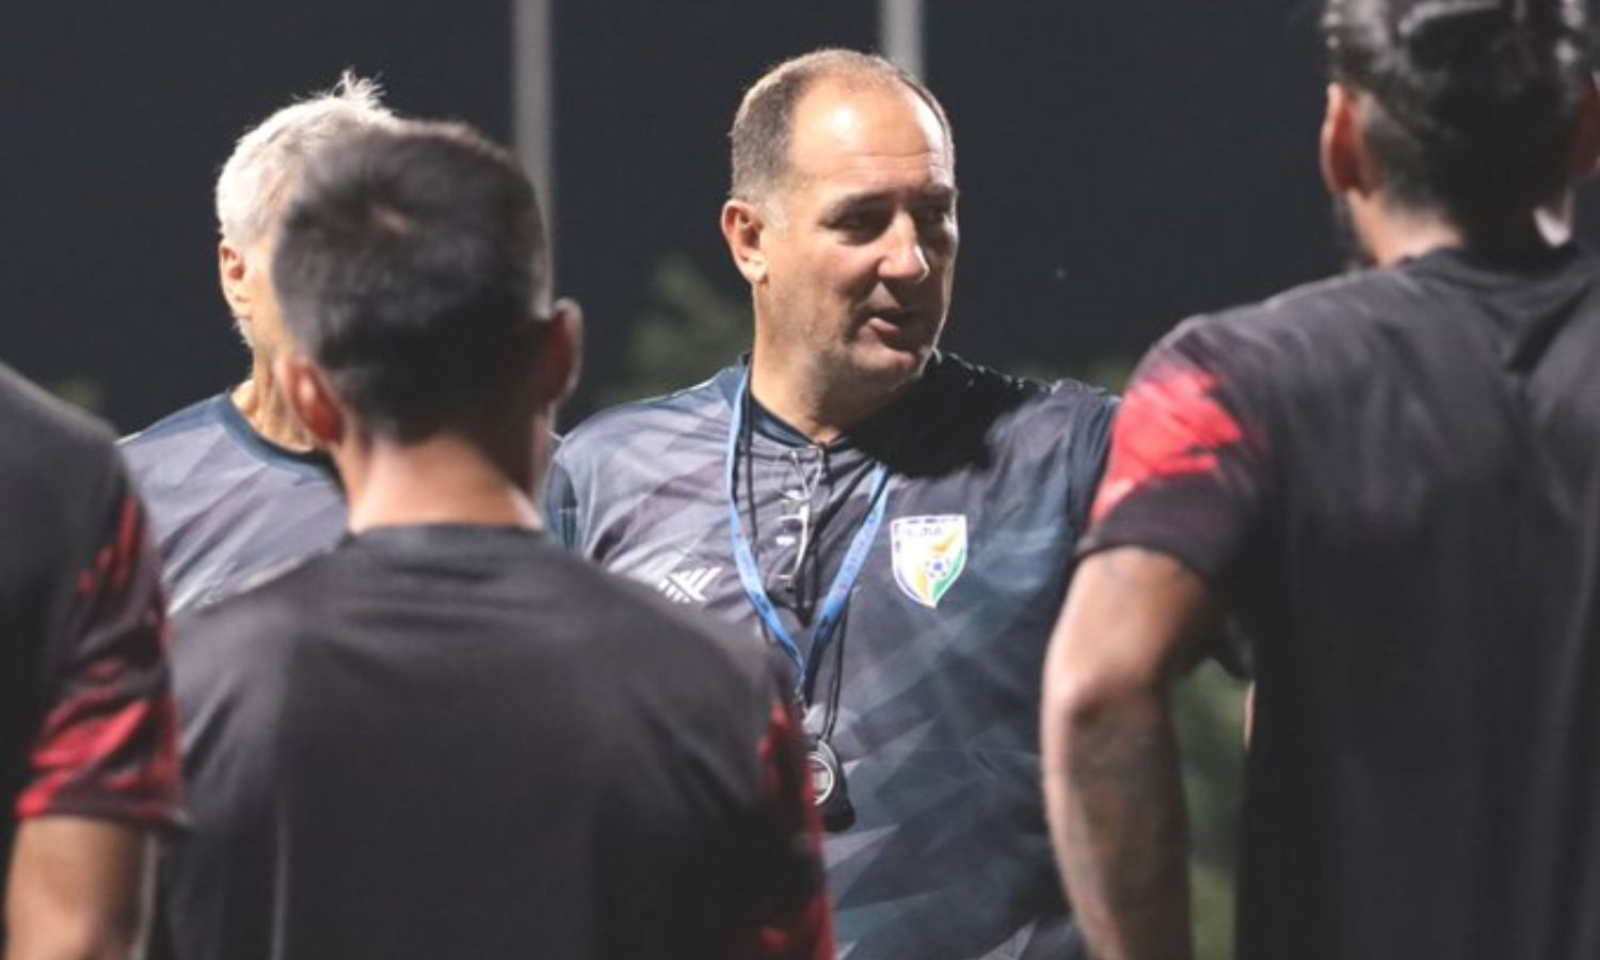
[[1186, 474], [796, 922], [108, 744]]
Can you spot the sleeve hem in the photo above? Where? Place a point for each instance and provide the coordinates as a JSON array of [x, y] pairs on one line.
[[157, 816]]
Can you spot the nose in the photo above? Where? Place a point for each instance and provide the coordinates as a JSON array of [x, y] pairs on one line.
[[905, 258]]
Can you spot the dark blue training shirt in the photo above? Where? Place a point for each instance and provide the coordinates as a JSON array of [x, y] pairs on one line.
[[227, 505], [991, 480]]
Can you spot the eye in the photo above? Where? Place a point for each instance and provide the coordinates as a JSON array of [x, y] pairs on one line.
[[933, 217], [861, 224]]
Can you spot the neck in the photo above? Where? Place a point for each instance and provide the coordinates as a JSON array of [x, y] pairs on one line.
[[807, 401], [444, 479], [264, 407], [1394, 236]]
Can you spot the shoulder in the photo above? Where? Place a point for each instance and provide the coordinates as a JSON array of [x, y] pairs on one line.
[[55, 461], [44, 430], [1291, 327], [984, 392], [675, 412], [1018, 411], [201, 415], [199, 424], [232, 648], [649, 432]]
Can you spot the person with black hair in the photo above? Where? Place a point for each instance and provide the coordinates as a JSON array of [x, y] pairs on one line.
[[447, 737], [1391, 482], [88, 734]]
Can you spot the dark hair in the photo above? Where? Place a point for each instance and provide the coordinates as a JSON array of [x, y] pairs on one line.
[[764, 126], [412, 267], [1473, 102]]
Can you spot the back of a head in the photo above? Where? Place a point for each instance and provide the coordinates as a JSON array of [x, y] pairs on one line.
[[764, 125], [269, 158], [413, 269], [1473, 102]]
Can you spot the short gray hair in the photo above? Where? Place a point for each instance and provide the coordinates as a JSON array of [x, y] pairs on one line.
[[763, 129], [269, 159]]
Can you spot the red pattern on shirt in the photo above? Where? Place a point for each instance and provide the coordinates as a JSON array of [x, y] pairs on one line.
[[108, 746], [1170, 425], [800, 926]]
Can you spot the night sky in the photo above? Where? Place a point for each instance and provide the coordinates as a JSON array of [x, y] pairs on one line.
[[1123, 163]]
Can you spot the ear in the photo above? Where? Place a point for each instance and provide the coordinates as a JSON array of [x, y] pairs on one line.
[[560, 354], [1340, 146], [744, 227], [1584, 156], [231, 271], [311, 400]]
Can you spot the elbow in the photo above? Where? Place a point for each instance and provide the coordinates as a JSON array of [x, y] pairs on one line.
[[1080, 693], [1085, 701]]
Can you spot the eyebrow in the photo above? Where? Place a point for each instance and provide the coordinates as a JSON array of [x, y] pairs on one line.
[[938, 193]]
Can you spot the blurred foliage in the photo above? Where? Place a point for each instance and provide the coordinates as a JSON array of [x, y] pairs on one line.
[[83, 392], [691, 329]]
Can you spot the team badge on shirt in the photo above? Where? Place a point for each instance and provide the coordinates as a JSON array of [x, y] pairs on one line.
[[929, 554]]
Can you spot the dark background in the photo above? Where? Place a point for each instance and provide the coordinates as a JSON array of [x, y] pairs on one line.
[[1123, 163]]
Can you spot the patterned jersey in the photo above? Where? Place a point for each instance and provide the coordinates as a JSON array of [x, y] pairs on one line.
[[936, 723], [229, 507], [86, 719], [1393, 479]]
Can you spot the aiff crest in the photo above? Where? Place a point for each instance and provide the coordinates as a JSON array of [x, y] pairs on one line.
[[929, 554]]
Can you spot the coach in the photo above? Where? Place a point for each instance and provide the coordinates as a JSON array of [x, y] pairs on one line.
[[896, 520]]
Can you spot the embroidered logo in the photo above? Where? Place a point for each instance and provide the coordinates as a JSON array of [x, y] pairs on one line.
[[929, 554], [688, 586]]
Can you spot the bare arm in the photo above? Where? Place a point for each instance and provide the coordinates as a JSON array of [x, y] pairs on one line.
[[1112, 785], [78, 890]]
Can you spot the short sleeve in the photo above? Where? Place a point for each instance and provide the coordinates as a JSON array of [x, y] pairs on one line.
[[1187, 473], [108, 745]]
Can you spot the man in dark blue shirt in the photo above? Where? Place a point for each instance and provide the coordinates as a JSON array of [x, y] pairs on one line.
[[899, 522], [234, 486]]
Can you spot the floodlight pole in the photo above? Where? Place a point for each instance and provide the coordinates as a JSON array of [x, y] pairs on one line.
[[900, 34], [533, 115]]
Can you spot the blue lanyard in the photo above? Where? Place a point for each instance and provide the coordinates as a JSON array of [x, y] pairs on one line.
[[838, 597]]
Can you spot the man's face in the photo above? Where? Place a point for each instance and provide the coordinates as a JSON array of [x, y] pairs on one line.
[[861, 237], [247, 283]]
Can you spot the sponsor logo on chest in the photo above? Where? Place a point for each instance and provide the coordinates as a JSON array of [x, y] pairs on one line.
[[929, 554]]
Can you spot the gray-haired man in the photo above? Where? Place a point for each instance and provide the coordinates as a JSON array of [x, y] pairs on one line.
[[233, 484]]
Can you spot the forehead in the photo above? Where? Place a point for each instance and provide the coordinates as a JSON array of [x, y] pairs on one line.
[[868, 133]]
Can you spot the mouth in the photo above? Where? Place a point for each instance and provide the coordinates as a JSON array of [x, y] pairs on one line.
[[897, 328], [898, 318]]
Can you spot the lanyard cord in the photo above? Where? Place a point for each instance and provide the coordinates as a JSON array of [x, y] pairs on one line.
[[837, 598]]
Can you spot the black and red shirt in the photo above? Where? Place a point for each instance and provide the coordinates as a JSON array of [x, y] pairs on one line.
[[86, 721], [456, 741], [1393, 481]]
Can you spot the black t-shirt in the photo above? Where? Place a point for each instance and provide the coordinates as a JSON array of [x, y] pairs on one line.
[[86, 720], [1392, 480], [449, 741]]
